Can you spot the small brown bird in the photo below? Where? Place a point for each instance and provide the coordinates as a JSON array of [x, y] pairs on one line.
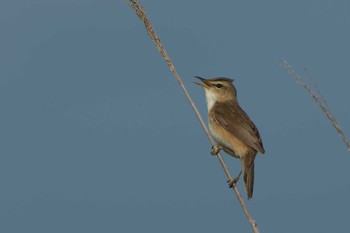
[[231, 127]]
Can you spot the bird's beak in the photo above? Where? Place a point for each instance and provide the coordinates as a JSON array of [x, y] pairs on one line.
[[204, 83]]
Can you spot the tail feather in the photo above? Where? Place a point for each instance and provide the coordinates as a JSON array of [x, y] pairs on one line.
[[248, 173]]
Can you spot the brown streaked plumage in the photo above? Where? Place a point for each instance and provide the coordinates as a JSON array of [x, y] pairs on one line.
[[231, 127]]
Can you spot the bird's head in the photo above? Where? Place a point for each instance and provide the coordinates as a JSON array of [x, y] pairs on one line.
[[218, 89]]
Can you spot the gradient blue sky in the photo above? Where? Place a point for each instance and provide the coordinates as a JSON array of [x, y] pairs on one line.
[[96, 135]]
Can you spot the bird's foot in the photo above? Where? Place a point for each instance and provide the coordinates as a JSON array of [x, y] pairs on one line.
[[233, 181], [215, 149]]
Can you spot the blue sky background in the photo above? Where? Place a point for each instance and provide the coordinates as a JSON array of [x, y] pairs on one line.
[[97, 136]]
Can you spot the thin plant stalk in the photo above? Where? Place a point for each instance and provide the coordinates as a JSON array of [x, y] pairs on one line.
[[140, 12], [317, 97]]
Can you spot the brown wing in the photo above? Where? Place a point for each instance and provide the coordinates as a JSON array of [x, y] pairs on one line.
[[237, 122]]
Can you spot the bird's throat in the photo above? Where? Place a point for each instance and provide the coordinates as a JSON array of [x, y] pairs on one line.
[[210, 100]]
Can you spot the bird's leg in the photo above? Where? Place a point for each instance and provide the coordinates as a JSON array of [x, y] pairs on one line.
[[233, 181], [215, 149]]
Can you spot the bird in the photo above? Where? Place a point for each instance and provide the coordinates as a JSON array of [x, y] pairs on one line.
[[231, 127]]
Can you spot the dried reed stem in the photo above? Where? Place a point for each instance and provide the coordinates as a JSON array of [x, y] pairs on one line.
[[140, 12], [317, 97]]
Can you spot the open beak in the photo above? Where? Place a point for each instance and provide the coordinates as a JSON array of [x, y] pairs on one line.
[[204, 83]]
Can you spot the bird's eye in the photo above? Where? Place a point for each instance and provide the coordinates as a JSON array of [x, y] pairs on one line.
[[219, 85]]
